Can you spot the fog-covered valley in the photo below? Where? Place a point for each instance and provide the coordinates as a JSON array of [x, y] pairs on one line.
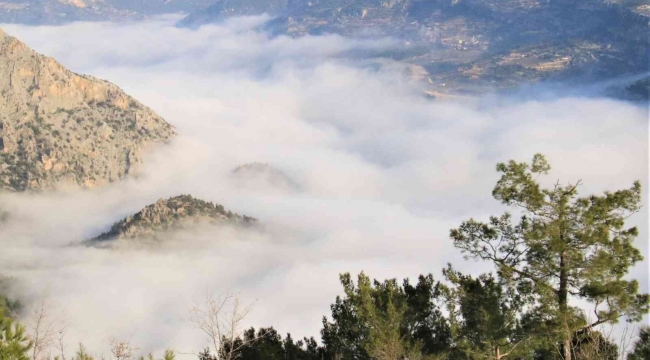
[[380, 173]]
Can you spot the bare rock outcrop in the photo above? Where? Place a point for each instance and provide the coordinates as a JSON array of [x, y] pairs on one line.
[[58, 126]]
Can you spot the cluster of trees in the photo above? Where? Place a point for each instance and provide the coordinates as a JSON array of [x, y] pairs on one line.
[[473, 318], [564, 250], [559, 278]]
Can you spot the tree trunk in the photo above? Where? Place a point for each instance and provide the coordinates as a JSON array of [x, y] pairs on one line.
[[563, 305]]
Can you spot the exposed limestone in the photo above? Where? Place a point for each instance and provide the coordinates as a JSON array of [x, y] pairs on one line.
[[57, 126]]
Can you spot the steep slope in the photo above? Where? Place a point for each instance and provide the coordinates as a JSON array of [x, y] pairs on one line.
[[180, 212], [58, 126], [39, 12]]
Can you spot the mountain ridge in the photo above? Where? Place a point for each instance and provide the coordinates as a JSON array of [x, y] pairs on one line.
[[57, 126], [472, 46], [56, 12]]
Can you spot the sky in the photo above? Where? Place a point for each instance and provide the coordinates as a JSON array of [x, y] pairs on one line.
[[384, 173]]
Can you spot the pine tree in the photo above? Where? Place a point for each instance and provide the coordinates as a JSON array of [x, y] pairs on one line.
[[14, 344], [169, 354], [563, 246], [82, 354], [641, 350], [378, 320], [485, 313]]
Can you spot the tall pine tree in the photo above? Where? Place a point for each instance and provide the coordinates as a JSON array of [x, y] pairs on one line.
[[564, 246]]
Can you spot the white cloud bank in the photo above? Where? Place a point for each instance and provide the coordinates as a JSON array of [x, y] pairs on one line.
[[386, 173]]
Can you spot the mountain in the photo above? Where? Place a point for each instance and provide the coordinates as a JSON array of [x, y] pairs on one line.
[[467, 46], [60, 127], [263, 176], [639, 90], [39, 12], [175, 213], [634, 90], [227, 8]]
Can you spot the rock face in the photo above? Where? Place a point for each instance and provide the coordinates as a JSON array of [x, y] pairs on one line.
[[180, 212], [58, 126]]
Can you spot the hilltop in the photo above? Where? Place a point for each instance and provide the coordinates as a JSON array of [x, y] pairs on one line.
[[256, 174], [175, 213], [60, 127]]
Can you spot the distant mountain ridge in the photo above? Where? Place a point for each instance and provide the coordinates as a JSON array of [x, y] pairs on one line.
[[165, 215], [227, 8], [40, 12], [467, 46], [60, 127]]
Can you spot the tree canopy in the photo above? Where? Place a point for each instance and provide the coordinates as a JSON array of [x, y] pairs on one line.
[[563, 246]]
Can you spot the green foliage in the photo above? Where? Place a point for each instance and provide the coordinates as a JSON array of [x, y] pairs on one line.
[[563, 246], [267, 344], [8, 307], [641, 350], [169, 354], [484, 313], [81, 354], [14, 344], [588, 345], [383, 313], [381, 320]]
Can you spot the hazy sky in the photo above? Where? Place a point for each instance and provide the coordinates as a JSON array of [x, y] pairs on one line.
[[384, 171]]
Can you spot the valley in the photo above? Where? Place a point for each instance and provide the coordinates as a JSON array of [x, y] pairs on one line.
[[323, 180]]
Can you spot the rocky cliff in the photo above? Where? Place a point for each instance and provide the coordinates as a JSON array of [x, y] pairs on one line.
[[176, 213], [58, 126]]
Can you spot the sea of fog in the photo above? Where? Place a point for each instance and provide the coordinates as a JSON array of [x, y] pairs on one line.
[[384, 174]]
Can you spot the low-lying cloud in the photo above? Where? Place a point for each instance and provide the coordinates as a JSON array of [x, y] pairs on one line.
[[384, 174]]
